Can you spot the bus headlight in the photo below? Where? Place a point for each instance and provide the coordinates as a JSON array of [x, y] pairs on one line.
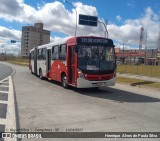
[[80, 74]]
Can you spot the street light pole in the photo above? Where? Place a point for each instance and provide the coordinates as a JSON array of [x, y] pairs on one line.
[[106, 31], [76, 14]]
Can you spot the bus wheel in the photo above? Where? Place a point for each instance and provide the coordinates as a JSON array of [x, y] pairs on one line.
[[32, 72], [40, 74], [64, 81], [96, 88]]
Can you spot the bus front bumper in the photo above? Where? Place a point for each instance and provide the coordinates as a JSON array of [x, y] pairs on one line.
[[83, 83]]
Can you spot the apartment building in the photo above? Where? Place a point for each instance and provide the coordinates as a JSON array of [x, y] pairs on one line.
[[33, 36]]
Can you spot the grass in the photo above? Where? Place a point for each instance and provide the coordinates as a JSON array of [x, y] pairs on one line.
[[18, 61], [131, 69], [140, 70], [138, 82]]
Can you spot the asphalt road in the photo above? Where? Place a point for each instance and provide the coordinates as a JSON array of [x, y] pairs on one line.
[[46, 105], [5, 71]]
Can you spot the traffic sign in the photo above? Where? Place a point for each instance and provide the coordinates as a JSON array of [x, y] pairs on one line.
[[13, 41], [88, 20]]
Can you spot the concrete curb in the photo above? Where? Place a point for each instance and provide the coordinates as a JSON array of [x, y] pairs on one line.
[[11, 117], [10, 121]]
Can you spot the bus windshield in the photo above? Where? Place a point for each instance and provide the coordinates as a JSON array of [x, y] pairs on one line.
[[96, 58]]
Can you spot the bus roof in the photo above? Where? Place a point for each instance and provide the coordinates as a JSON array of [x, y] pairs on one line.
[[73, 40], [31, 50], [62, 41]]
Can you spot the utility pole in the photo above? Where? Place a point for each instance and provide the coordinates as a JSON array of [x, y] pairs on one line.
[[76, 14], [146, 45], [158, 41], [141, 38], [106, 31], [123, 47], [146, 39]]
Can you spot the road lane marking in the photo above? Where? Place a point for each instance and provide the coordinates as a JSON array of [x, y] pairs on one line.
[[4, 92], [3, 121], [4, 86], [3, 102], [10, 120]]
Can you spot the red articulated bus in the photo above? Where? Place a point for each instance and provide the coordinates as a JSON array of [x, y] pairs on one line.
[[81, 62]]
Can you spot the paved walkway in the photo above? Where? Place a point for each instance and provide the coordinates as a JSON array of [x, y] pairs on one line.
[[148, 78]]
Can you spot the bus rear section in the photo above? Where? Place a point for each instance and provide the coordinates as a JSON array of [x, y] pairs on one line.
[[33, 60]]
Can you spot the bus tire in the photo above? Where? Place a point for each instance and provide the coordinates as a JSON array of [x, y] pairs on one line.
[[64, 81], [32, 72], [96, 88], [40, 74]]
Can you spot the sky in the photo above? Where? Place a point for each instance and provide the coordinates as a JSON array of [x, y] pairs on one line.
[[123, 18]]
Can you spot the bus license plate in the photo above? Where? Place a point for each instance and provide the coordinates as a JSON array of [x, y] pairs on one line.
[[101, 83]]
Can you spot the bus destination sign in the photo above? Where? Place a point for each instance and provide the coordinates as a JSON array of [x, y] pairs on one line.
[[93, 40]]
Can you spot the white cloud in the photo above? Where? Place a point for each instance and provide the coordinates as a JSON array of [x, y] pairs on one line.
[[129, 32], [9, 48], [7, 8], [54, 15], [130, 5], [119, 18], [57, 18], [9, 33], [85, 9], [54, 39], [6, 35]]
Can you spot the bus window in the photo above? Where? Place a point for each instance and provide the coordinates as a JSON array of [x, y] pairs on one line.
[[62, 55], [108, 53], [96, 58], [32, 55], [55, 52], [43, 54], [39, 54]]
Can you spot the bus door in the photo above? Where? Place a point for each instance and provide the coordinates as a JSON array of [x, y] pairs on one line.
[[35, 61], [48, 62], [71, 65]]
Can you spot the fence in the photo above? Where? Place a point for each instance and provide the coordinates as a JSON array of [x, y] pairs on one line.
[[139, 69]]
